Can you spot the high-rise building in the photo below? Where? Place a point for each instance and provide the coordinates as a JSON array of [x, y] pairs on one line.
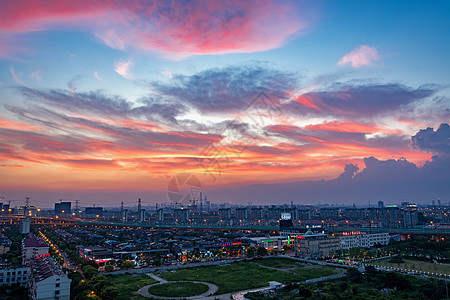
[[94, 211], [63, 208], [25, 225], [224, 214], [181, 215]]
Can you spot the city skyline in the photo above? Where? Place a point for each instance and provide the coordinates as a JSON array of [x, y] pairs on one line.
[[264, 102]]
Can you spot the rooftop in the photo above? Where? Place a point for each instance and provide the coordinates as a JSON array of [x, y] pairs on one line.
[[34, 242], [45, 267]]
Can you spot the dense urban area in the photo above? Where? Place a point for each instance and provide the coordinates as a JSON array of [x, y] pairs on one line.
[[224, 251]]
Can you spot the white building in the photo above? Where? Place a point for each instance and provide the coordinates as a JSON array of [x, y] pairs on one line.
[[33, 247], [11, 275], [270, 243], [48, 280], [355, 239]]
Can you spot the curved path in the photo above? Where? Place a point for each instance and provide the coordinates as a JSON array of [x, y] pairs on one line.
[[212, 288]]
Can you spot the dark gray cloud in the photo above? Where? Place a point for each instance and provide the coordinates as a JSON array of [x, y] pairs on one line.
[[106, 106], [228, 89], [360, 99], [436, 142]]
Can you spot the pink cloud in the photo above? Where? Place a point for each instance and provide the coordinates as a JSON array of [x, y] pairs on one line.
[[167, 27], [361, 56], [17, 76], [123, 68]]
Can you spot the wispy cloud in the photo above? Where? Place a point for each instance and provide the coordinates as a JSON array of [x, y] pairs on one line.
[[97, 76], [123, 68], [362, 56], [36, 75], [17, 76]]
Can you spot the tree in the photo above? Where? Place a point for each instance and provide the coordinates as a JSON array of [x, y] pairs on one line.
[[109, 293], [303, 291], [156, 261], [127, 264], [355, 276], [89, 272], [251, 251], [109, 268], [261, 251], [100, 282]]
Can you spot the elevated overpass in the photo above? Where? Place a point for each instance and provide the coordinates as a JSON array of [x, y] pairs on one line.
[[63, 221], [413, 231]]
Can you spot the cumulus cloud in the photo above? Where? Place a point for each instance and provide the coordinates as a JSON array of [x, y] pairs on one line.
[[436, 142], [362, 56], [123, 68]]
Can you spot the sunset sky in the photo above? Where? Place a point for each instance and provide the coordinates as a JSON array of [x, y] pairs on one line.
[[264, 101]]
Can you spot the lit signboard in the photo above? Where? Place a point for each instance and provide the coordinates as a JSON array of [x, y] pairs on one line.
[[351, 233], [285, 216]]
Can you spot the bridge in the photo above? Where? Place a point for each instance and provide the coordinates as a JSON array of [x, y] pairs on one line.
[[414, 231], [14, 220]]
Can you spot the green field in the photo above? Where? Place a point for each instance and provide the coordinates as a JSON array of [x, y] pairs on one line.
[[417, 265], [245, 275], [279, 263], [178, 289], [127, 284]]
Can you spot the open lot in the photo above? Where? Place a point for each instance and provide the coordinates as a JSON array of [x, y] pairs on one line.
[[178, 289], [246, 275], [417, 265], [128, 284], [279, 263]]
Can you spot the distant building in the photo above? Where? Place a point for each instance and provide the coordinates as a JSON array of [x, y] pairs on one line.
[[270, 243], [13, 275], [224, 214], [181, 215], [286, 221], [63, 208], [316, 246], [256, 213], [160, 213], [241, 214], [6, 209], [25, 225], [33, 247], [27, 211], [93, 212], [48, 280], [5, 244], [95, 253], [355, 239]]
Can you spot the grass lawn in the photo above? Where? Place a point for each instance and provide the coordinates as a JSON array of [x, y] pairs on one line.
[[245, 275], [279, 263], [127, 284], [417, 265], [178, 289]]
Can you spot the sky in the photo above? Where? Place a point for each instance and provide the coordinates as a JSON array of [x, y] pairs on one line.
[[267, 102]]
